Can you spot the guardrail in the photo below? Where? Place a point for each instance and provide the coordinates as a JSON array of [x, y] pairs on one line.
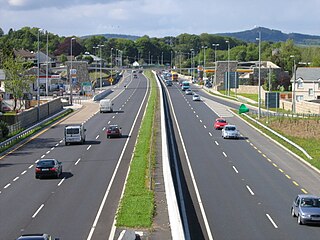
[[27, 131]]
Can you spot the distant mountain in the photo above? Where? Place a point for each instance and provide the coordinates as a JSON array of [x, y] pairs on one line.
[[273, 36], [108, 36]]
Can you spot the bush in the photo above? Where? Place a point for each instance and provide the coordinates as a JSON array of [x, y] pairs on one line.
[[4, 128]]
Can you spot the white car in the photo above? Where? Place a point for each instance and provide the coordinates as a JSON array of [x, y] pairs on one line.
[[189, 92], [230, 131], [196, 97]]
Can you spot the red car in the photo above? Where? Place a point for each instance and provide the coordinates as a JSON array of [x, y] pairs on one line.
[[220, 123], [114, 131]]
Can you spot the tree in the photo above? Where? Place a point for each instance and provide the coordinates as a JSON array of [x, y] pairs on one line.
[[17, 80], [1, 32]]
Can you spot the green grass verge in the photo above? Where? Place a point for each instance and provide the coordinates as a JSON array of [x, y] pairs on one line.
[[310, 145], [136, 208], [33, 131]]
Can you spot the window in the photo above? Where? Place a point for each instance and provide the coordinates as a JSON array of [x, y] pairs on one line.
[[299, 98], [310, 91], [300, 83]]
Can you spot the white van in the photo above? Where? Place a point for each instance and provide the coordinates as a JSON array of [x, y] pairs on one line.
[[74, 134], [106, 105]]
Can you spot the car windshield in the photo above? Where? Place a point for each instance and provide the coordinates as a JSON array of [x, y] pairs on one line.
[[230, 128], [310, 202], [46, 163]]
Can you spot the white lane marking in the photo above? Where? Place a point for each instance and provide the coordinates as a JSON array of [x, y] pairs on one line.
[[194, 112], [52, 148], [104, 128], [31, 166], [77, 161], [216, 143], [249, 189], [191, 108], [235, 169], [116, 113], [23, 172], [15, 179], [210, 134], [204, 126], [61, 141], [113, 116], [43, 156], [97, 137], [88, 147], [62, 180], [200, 120], [271, 220], [37, 161], [39, 209], [119, 109], [47, 152], [109, 122], [57, 145], [224, 154], [6, 186], [197, 116]]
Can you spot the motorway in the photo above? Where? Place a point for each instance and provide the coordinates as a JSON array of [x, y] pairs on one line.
[[82, 203], [241, 189]]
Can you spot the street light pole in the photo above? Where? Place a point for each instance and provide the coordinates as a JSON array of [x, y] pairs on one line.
[[111, 66], [215, 45], [47, 64], [70, 74], [161, 58], [100, 46], [204, 62], [192, 63], [228, 73], [38, 74], [294, 85], [259, 79]]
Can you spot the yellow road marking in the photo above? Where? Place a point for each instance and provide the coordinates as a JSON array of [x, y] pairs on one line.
[[295, 183]]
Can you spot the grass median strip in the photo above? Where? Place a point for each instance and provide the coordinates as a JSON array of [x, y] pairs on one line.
[[136, 208]]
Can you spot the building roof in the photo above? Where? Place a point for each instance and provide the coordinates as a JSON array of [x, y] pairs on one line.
[[23, 53], [308, 74]]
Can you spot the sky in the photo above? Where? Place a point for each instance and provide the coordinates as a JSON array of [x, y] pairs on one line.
[[159, 18]]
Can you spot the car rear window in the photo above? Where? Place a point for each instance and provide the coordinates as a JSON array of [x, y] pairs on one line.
[[73, 131], [230, 128], [46, 163]]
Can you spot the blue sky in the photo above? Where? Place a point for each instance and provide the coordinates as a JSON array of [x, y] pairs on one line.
[[159, 18]]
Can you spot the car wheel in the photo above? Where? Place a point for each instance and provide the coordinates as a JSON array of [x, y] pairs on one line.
[[37, 177], [299, 220], [292, 213]]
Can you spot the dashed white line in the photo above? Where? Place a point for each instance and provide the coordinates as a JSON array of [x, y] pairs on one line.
[[97, 137], [210, 134], [39, 209], [113, 116], [62, 180], [88, 147], [61, 141], [109, 122], [57, 145], [271, 220], [249, 189], [52, 148], [116, 113], [191, 108], [15, 179], [104, 128], [197, 116], [204, 126], [31, 166], [77, 161], [194, 112], [43, 156], [47, 152], [224, 154], [216, 143], [6, 186], [119, 109], [23, 172], [200, 120], [235, 169], [37, 161]]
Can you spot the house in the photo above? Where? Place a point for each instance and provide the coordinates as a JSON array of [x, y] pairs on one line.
[[306, 83], [25, 55]]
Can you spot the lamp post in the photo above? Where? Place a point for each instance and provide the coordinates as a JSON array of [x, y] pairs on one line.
[[171, 60], [228, 73], [70, 74], [215, 45], [95, 53], [180, 61], [100, 46], [38, 74], [161, 58], [47, 65], [204, 62], [111, 66], [294, 85], [192, 70], [259, 78], [149, 57]]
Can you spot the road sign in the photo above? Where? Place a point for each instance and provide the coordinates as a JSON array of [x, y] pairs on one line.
[[243, 109]]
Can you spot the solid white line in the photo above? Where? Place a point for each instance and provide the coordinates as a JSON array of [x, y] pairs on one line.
[[47, 152], [62, 180], [88, 147], [249, 189], [39, 209], [23, 172], [77, 161], [16, 178], [6, 186], [271, 220], [31, 166], [210, 134], [43, 156], [224, 154], [97, 137], [235, 169]]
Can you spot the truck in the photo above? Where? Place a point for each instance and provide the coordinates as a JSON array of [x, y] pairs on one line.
[[106, 105], [74, 134]]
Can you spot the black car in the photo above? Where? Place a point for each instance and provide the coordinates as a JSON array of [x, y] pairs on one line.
[[36, 237], [48, 168], [114, 131]]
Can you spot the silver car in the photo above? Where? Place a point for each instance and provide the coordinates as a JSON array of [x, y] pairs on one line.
[[196, 97], [230, 131], [306, 208]]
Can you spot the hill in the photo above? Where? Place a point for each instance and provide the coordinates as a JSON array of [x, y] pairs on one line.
[[108, 36], [273, 35]]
